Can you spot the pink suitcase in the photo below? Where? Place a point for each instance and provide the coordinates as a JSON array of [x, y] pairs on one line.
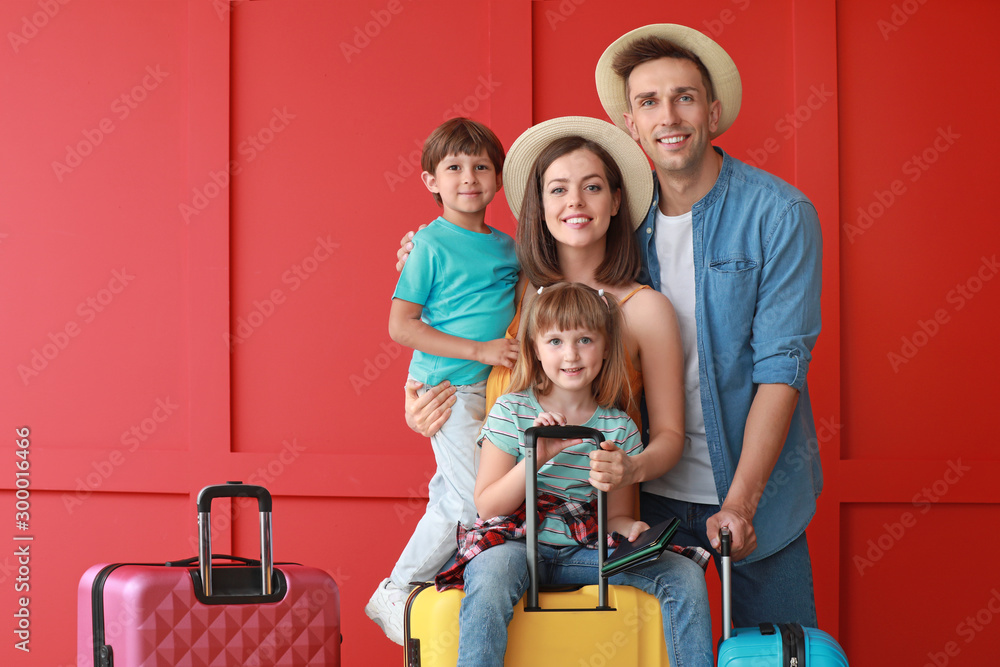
[[200, 613]]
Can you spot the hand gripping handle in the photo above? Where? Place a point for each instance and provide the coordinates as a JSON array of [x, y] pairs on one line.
[[531, 436], [234, 490]]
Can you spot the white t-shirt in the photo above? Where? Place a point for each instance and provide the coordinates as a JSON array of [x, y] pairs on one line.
[[691, 479]]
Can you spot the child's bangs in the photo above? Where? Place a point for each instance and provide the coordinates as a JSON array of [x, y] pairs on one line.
[[473, 142], [571, 309]]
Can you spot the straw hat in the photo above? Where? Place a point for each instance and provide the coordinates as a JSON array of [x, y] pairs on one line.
[[722, 69], [637, 175]]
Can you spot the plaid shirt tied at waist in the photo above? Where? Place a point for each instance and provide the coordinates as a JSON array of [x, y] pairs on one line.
[[579, 517]]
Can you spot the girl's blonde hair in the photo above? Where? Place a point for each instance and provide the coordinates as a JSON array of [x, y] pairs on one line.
[[564, 306]]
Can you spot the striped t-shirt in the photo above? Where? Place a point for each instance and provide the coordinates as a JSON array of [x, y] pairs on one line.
[[567, 474]]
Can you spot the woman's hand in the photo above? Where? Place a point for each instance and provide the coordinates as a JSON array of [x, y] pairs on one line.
[[405, 246], [499, 352], [426, 413], [611, 468]]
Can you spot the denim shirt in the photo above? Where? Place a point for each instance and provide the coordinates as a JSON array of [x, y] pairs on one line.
[[757, 273]]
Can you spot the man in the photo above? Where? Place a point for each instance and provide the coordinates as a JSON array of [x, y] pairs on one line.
[[738, 252]]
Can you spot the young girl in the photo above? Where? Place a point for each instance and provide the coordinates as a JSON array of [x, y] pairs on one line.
[[570, 370]]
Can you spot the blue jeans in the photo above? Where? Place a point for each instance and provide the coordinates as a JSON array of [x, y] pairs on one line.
[[497, 578], [775, 589]]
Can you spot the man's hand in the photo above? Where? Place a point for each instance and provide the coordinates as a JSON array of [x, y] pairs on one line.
[[611, 468], [426, 413], [499, 352], [740, 524]]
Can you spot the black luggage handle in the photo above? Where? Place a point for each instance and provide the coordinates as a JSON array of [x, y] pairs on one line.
[[531, 436], [191, 560], [725, 546], [234, 490]]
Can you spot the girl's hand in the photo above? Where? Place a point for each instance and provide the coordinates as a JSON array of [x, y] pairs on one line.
[[550, 419], [427, 412], [637, 529], [547, 448], [499, 352], [611, 468]]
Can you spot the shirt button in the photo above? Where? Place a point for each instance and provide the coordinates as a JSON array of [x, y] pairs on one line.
[[649, 230]]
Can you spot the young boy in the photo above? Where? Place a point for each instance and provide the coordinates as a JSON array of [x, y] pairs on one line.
[[452, 304]]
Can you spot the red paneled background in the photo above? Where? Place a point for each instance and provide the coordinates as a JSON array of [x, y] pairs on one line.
[[200, 205]]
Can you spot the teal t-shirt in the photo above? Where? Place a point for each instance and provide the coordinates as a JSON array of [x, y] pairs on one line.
[[567, 474], [465, 282]]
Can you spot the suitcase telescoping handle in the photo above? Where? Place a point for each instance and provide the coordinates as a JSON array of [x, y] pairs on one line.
[[234, 490], [531, 436], [725, 547]]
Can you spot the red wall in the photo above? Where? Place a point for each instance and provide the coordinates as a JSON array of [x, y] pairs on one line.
[[199, 196]]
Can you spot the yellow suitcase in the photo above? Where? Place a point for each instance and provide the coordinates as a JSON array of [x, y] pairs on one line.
[[589, 626]]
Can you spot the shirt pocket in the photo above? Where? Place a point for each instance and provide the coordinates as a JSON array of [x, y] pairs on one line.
[[738, 263], [731, 294]]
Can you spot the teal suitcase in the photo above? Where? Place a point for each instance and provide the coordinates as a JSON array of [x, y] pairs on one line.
[[770, 644]]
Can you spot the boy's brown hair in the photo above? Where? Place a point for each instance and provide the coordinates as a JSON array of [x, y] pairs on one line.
[[565, 306], [536, 247], [645, 49], [460, 136]]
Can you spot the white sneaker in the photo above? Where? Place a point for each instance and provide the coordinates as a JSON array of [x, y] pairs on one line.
[[386, 608]]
